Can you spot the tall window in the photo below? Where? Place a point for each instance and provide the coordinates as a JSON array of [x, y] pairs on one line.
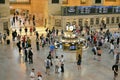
[[55, 1], [2, 1], [97, 1]]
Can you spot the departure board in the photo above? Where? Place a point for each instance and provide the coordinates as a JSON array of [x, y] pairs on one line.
[[84, 10]]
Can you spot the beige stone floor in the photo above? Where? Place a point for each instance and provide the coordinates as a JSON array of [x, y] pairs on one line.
[[13, 67]]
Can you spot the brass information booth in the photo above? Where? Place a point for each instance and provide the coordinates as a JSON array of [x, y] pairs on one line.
[[69, 41]]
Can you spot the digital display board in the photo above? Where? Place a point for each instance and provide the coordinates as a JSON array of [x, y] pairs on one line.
[[84, 10], [2, 1]]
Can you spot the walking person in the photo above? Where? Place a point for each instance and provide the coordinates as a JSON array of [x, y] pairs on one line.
[[79, 62], [94, 50], [62, 63], [32, 74], [4, 37], [56, 62], [115, 69], [118, 42], [37, 43], [30, 56], [47, 65], [31, 30], [99, 52], [111, 48], [26, 54], [26, 30]]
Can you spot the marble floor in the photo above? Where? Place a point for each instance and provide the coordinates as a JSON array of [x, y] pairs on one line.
[[13, 67]]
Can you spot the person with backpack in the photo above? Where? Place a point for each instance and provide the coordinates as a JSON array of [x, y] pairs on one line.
[[94, 50], [115, 70], [47, 65], [39, 76], [62, 63]]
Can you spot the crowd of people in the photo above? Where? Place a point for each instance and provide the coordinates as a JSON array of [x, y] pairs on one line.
[[97, 40]]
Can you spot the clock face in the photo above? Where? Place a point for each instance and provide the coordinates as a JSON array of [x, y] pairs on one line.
[[71, 9], [69, 28]]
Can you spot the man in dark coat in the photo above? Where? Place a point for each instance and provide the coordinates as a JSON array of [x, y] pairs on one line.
[[30, 56]]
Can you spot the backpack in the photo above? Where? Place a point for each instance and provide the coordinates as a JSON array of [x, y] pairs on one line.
[[48, 63], [93, 49]]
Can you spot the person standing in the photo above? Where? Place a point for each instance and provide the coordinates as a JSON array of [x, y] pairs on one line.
[[62, 63], [99, 52], [56, 62], [33, 20], [31, 30], [47, 65], [26, 30], [94, 50], [118, 42], [39, 76], [37, 43], [32, 74], [26, 54], [30, 56], [111, 48], [115, 69], [79, 62]]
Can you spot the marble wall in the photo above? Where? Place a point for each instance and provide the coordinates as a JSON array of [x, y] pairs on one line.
[[4, 16]]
